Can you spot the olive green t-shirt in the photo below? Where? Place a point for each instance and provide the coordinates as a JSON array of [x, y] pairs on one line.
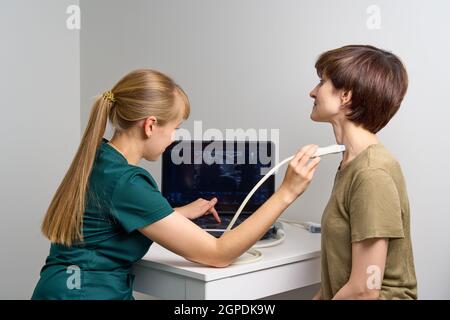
[[368, 200]]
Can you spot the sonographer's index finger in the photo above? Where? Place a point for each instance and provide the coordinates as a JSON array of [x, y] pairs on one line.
[[300, 154], [312, 148]]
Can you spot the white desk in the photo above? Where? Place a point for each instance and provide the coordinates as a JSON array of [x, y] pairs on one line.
[[291, 265]]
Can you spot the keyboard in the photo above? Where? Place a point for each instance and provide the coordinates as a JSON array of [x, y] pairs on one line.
[[208, 222]]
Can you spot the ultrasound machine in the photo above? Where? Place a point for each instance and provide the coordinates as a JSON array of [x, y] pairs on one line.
[[227, 170]]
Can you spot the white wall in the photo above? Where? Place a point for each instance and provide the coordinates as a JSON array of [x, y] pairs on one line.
[[245, 64], [40, 112]]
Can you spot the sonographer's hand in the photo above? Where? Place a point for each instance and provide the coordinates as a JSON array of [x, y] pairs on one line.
[[299, 172], [198, 208]]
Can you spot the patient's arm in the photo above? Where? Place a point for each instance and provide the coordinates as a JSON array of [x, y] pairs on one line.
[[368, 263]]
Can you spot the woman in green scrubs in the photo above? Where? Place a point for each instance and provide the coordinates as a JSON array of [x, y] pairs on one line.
[[108, 211]]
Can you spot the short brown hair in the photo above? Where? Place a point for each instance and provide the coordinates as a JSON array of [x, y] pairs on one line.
[[377, 78]]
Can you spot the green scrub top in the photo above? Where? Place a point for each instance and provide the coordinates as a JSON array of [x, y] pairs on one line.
[[121, 198]]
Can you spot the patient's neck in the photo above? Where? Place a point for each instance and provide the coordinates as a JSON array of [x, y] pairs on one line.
[[355, 138]]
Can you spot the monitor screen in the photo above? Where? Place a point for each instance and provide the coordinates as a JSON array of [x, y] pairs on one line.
[[227, 170]]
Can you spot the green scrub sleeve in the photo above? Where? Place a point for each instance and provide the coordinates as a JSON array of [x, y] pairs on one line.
[[137, 201]]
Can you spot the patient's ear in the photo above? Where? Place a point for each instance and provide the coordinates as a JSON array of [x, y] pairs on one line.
[[149, 126], [346, 98]]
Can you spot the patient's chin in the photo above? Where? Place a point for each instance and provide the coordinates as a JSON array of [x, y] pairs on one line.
[[314, 117], [318, 118]]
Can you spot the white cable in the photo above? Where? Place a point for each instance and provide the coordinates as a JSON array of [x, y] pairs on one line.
[[279, 238], [268, 174], [294, 223], [320, 152], [257, 255], [312, 227]]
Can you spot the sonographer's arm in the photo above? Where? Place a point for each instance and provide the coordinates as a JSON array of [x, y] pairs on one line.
[[198, 208], [298, 176], [180, 235]]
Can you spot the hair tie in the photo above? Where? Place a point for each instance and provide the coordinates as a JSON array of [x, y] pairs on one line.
[[108, 95]]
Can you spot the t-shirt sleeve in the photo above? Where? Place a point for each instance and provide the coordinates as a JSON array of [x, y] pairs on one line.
[[375, 209], [137, 201]]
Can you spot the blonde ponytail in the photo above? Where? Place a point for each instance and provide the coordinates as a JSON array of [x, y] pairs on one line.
[[140, 94], [64, 219]]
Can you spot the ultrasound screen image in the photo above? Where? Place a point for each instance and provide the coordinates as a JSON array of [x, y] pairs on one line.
[[225, 170]]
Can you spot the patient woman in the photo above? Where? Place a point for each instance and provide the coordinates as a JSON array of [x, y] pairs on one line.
[[366, 241]]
